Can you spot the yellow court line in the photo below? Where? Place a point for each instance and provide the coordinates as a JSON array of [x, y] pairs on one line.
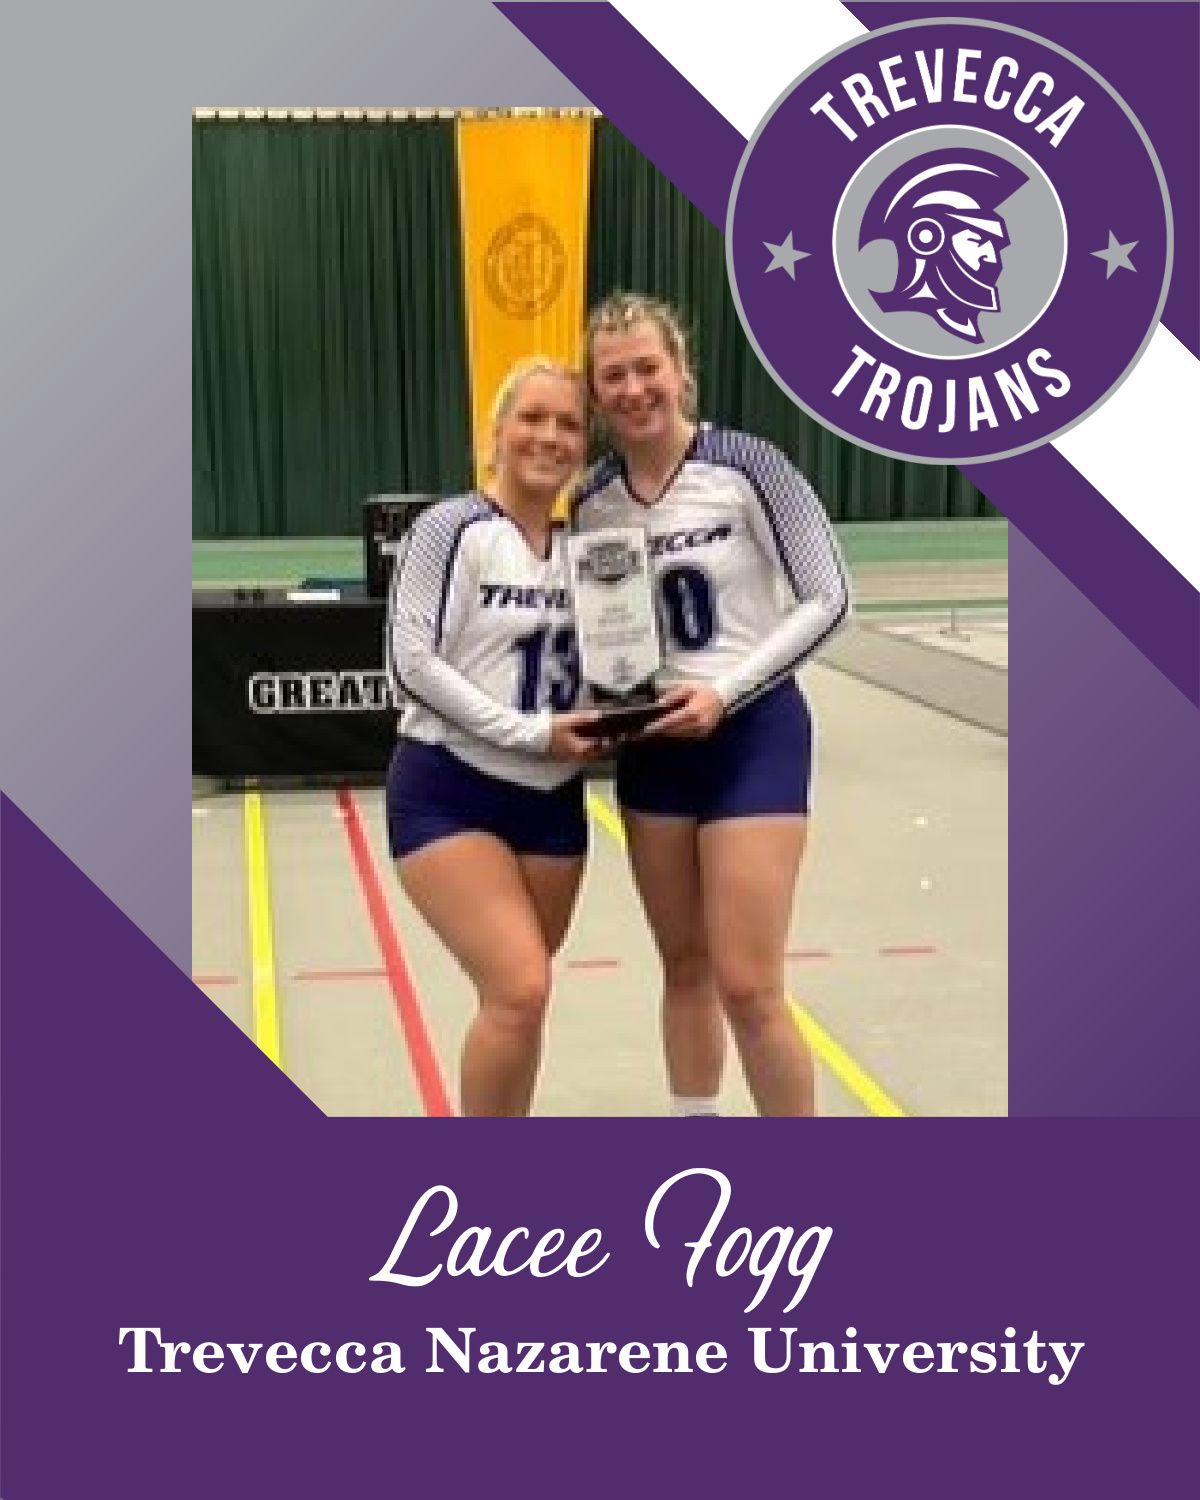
[[607, 817], [835, 1057], [842, 1065], [263, 994]]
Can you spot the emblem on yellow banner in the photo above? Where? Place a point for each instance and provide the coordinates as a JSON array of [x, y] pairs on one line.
[[524, 266]]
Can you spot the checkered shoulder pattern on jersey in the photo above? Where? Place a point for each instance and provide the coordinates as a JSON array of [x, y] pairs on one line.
[[793, 532], [765, 523], [457, 666]]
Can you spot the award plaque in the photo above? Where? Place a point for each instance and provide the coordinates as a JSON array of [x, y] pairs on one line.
[[616, 626]]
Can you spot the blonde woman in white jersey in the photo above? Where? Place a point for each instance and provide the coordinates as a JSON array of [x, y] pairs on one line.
[[714, 796], [485, 804]]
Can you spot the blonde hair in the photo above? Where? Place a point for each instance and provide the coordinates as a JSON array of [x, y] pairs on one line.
[[510, 388], [620, 312]]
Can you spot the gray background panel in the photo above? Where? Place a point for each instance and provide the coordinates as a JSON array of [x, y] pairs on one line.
[[96, 385]]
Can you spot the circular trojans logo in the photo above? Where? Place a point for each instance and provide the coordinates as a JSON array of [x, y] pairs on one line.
[[949, 241]]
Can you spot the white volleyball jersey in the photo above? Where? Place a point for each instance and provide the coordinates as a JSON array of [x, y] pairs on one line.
[[749, 576], [480, 644]]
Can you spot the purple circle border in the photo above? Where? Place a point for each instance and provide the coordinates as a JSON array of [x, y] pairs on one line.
[[1093, 378]]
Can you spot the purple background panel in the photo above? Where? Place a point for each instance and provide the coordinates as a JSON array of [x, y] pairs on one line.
[[158, 1170], [1104, 825], [1147, 50], [1127, 579], [160, 1173]]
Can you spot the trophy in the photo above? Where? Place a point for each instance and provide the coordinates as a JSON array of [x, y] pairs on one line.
[[616, 626]]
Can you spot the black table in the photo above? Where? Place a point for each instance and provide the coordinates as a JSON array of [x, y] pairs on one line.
[[282, 688]]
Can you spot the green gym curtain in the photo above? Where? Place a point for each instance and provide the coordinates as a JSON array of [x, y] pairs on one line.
[[644, 235], [329, 345], [329, 357]]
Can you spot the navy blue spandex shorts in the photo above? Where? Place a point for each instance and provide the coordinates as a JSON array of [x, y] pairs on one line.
[[756, 761], [432, 794]]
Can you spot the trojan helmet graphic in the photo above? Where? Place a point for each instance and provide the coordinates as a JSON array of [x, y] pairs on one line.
[[940, 212]]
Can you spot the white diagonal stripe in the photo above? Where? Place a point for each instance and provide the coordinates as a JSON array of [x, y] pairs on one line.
[[742, 56], [1137, 449]]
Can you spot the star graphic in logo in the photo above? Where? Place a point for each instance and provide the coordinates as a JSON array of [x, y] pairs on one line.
[[1116, 256], [785, 256]]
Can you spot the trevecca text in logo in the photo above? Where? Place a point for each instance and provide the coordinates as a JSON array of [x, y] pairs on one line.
[[949, 240]]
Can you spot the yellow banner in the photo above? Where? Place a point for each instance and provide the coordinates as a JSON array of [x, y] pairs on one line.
[[523, 186]]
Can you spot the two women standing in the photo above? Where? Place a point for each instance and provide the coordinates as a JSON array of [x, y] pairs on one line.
[[714, 796]]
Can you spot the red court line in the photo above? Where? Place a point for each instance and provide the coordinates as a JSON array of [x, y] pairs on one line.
[[910, 950], [593, 963], [425, 1068], [206, 979], [809, 953], [336, 975]]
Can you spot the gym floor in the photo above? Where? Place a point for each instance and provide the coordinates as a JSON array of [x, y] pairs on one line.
[[897, 958]]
